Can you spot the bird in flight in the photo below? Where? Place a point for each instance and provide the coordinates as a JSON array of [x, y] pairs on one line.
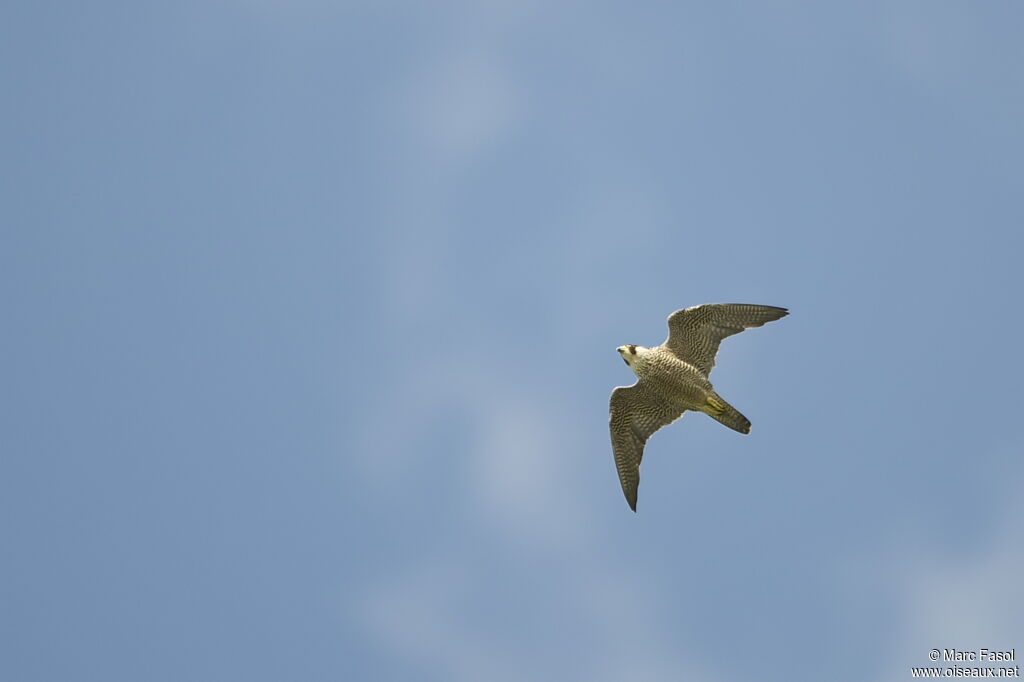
[[673, 378]]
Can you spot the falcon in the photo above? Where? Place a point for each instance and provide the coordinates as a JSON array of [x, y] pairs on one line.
[[673, 378]]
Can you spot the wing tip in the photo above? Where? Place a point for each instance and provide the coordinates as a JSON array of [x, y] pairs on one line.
[[631, 496], [776, 310], [774, 313]]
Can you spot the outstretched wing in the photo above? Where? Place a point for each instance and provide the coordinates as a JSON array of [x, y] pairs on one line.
[[695, 333], [633, 415]]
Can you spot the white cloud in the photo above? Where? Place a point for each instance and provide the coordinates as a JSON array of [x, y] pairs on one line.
[[972, 602], [463, 103], [521, 476], [964, 602]]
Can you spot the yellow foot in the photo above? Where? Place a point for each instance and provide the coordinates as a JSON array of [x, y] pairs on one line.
[[715, 406]]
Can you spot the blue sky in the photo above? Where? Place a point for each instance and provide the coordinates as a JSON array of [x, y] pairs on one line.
[[310, 322]]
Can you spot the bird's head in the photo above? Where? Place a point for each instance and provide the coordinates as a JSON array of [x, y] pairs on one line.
[[628, 353]]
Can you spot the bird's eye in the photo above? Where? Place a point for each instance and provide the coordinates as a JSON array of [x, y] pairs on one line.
[[632, 349]]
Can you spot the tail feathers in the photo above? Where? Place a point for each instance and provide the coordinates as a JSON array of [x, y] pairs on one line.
[[727, 414]]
